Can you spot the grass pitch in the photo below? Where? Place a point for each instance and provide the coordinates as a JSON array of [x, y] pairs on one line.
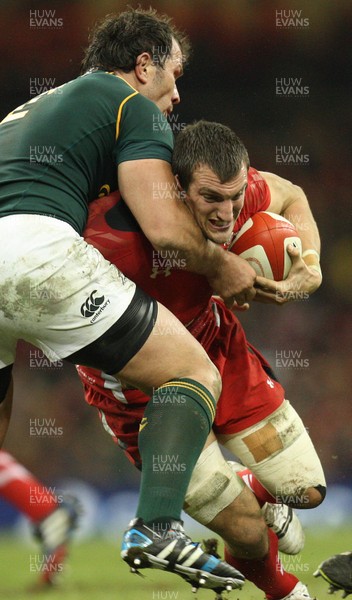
[[94, 571]]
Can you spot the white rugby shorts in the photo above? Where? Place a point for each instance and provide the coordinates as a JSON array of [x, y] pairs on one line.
[[56, 291]]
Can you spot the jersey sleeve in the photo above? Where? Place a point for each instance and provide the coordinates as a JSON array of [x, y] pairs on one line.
[[258, 192], [257, 197], [142, 131]]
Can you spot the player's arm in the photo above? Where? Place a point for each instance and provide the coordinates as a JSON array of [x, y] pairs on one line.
[[148, 188], [305, 276]]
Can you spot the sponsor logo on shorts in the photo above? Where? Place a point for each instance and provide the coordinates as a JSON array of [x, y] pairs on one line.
[[94, 306]]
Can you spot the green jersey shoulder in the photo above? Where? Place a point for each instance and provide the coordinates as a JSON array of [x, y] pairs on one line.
[[60, 149]]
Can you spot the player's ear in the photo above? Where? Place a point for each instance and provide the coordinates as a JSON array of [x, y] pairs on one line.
[[141, 69], [179, 186], [180, 189]]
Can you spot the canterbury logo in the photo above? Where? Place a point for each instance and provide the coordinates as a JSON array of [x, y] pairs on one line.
[[91, 305]]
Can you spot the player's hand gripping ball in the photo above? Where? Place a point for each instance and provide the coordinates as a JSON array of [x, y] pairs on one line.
[[263, 241]]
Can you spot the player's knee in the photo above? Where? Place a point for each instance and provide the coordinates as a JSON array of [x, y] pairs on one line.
[[310, 498], [213, 378], [322, 491], [316, 495], [206, 373], [216, 382]]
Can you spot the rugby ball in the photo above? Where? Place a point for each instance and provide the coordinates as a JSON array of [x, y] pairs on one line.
[[263, 241]]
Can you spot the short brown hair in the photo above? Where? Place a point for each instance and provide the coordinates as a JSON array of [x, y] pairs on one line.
[[117, 40], [211, 144]]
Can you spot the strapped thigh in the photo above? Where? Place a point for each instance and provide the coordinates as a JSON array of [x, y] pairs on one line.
[[280, 453]]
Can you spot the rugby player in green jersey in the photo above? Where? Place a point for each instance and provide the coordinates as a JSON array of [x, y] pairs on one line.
[[107, 130]]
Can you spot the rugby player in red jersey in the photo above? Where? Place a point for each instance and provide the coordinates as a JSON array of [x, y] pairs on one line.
[[253, 419], [53, 517]]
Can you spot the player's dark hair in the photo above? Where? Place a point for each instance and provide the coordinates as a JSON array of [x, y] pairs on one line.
[[211, 144], [117, 40]]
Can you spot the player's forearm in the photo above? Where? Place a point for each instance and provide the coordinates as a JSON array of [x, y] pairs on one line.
[[150, 191], [229, 275], [300, 214], [290, 201], [183, 239]]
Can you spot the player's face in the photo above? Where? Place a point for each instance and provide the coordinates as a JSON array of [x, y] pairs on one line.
[[162, 88], [214, 205]]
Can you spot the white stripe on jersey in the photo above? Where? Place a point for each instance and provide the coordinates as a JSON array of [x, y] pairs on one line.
[[113, 384]]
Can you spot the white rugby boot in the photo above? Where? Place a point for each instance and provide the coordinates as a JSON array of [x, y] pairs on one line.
[[54, 534], [286, 525], [299, 592]]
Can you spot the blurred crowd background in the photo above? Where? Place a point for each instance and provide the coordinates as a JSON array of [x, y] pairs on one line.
[[244, 51]]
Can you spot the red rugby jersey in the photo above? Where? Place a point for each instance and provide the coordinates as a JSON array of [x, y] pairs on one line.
[[113, 230], [249, 394]]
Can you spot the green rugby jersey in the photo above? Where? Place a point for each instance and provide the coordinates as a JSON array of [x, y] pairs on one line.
[[61, 149]]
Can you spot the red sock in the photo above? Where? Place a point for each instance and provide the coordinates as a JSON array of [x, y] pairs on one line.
[[267, 573], [19, 487], [261, 494]]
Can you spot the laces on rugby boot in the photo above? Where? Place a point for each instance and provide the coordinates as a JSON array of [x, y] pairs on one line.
[[299, 592], [172, 550], [337, 571], [54, 533], [286, 525]]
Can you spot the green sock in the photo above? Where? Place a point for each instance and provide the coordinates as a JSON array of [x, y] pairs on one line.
[[172, 434]]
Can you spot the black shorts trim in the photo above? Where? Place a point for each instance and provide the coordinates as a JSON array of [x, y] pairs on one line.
[[112, 350], [5, 380]]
